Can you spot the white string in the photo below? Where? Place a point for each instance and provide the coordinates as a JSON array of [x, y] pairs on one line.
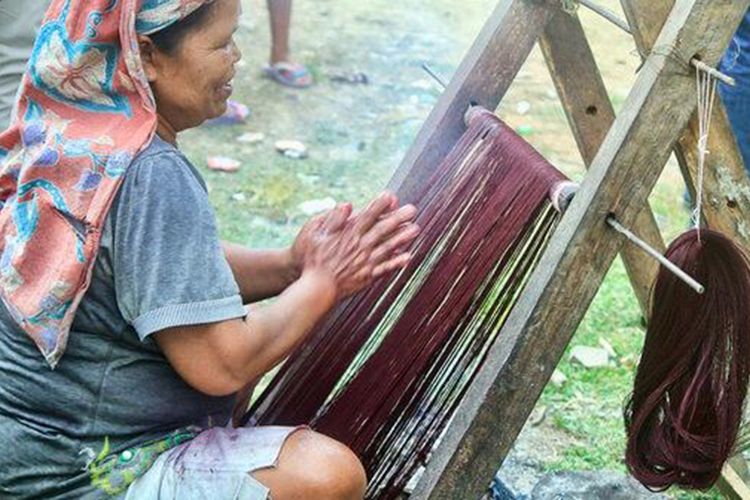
[[706, 89]]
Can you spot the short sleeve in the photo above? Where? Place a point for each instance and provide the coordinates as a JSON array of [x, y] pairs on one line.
[[168, 265]]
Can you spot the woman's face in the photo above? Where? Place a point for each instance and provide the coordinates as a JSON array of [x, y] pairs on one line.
[[193, 83]]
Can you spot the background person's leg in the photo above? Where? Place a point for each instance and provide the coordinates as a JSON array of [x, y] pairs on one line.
[[280, 15], [280, 67], [19, 23]]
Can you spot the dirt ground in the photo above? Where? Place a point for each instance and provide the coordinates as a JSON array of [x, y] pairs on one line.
[[357, 133]]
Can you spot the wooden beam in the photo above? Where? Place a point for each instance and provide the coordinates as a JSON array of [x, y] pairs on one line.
[[483, 77], [726, 202], [560, 289], [590, 114], [731, 483]]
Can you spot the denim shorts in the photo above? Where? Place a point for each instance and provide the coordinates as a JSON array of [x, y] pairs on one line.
[[216, 464]]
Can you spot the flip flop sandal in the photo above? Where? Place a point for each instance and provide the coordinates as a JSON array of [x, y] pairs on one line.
[[235, 114], [288, 74]]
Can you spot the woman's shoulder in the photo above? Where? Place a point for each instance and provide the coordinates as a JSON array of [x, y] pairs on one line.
[[160, 162], [158, 151]]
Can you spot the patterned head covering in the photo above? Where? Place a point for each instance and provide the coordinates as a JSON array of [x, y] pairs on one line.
[[86, 109]]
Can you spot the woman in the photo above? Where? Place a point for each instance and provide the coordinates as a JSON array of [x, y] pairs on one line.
[[111, 273]]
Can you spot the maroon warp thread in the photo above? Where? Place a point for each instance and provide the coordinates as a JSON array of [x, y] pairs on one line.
[[683, 417], [411, 344]]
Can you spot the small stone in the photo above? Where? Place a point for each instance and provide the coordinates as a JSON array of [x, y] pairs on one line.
[[312, 207], [295, 154], [251, 137], [589, 357], [604, 344], [558, 378], [239, 197], [592, 485], [223, 163], [537, 416], [629, 360], [523, 107], [291, 148]]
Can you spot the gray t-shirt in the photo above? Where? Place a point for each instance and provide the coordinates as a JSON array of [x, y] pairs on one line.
[[160, 265]]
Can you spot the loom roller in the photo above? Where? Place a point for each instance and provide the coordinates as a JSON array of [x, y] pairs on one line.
[[562, 193]]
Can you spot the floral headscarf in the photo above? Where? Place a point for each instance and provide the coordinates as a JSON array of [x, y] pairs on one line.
[[85, 111]]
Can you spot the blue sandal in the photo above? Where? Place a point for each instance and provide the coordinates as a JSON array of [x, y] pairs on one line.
[[288, 74]]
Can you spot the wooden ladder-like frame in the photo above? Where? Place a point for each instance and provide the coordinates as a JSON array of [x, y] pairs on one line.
[[625, 155]]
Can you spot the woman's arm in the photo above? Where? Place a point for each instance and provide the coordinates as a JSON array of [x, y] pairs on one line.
[[260, 274], [339, 255], [221, 358]]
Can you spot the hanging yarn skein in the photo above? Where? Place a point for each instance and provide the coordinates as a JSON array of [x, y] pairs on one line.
[[684, 414]]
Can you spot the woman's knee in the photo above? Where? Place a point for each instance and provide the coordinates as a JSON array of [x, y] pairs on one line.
[[326, 468]]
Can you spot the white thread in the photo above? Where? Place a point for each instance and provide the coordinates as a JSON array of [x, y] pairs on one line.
[[706, 89]]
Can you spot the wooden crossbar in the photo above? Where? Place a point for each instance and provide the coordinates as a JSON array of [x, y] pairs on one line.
[[590, 115], [622, 173]]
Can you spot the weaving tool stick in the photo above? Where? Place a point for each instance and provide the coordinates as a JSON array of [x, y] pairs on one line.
[[560, 290]]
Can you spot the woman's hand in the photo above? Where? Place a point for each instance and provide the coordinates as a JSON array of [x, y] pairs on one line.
[[351, 251]]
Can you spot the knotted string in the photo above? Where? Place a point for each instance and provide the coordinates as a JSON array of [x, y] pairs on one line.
[[706, 90]]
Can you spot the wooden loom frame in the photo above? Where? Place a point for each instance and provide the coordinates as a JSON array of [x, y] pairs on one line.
[[625, 155]]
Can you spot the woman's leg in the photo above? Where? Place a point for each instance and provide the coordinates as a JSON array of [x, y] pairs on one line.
[[280, 14], [312, 465]]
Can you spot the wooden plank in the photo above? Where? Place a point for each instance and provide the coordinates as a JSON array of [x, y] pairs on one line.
[[726, 191], [590, 114], [731, 483], [483, 77], [726, 188], [572, 268]]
